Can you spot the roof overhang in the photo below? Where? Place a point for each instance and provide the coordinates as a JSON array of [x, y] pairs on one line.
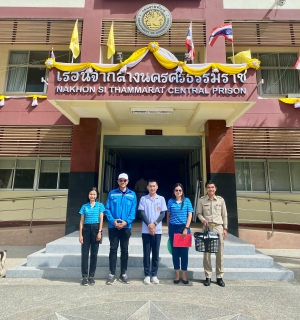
[[191, 115]]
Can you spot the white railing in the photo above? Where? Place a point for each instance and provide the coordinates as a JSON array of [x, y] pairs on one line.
[[33, 209], [271, 211]]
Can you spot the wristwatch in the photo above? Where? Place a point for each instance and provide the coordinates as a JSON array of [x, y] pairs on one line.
[[155, 223], [100, 231]]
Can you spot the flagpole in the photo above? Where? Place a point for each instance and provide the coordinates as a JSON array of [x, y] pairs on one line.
[[112, 57], [232, 47], [192, 37]]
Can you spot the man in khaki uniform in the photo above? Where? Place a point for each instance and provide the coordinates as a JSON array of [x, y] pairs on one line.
[[212, 213]]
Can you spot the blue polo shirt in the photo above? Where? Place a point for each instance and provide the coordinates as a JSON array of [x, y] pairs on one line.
[[91, 214], [178, 215], [152, 208]]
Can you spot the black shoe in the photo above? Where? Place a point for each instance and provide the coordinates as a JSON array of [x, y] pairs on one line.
[[84, 282], [207, 282], [185, 281], [111, 279], [124, 278], [176, 281], [220, 282], [91, 281]]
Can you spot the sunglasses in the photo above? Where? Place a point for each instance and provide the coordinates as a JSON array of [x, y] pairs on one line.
[[121, 180], [178, 190]]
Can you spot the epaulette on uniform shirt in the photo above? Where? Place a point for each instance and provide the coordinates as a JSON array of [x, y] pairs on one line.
[[219, 197], [203, 197]]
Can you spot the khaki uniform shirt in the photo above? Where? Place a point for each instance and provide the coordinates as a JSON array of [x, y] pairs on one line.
[[213, 210]]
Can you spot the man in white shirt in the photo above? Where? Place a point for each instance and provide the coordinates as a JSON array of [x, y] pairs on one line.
[[152, 208]]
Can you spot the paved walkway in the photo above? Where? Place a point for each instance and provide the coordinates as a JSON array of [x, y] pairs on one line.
[[24, 299]]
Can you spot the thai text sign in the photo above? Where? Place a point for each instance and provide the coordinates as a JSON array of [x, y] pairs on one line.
[[214, 83]]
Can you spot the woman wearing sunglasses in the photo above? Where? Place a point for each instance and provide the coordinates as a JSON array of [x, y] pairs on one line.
[[179, 218]]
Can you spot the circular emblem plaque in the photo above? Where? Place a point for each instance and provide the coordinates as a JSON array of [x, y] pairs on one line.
[[153, 20]]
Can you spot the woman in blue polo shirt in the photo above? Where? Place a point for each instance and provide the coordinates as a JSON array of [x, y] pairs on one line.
[[179, 218], [90, 234]]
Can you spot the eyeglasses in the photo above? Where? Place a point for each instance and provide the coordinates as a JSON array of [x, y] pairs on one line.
[[178, 190], [121, 180]]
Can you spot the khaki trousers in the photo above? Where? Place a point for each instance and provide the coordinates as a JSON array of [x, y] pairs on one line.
[[219, 255]]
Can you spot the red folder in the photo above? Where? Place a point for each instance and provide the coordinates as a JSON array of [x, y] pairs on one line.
[[180, 242]]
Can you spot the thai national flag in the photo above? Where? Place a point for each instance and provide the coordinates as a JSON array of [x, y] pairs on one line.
[[297, 65], [190, 44], [224, 30]]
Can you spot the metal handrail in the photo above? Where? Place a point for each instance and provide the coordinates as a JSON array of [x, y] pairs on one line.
[[35, 197], [271, 211], [33, 208], [267, 200]]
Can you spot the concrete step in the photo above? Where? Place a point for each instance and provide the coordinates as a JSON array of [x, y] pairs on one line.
[[70, 245], [61, 259], [275, 273], [43, 259]]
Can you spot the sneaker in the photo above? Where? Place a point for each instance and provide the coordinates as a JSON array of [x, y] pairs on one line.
[[124, 278], [84, 282], [155, 280], [91, 281], [111, 279], [147, 280]]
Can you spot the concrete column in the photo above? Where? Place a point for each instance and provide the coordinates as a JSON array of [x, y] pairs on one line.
[[91, 35], [220, 166], [84, 170], [214, 16]]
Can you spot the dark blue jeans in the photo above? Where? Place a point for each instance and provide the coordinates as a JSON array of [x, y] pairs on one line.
[[89, 234], [151, 243], [178, 254]]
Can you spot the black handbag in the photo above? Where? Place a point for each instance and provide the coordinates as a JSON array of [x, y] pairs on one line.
[[206, 241]]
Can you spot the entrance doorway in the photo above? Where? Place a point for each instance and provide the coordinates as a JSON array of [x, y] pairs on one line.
[[167, 159]]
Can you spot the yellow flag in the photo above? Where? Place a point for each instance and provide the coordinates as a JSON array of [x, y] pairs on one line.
[[241, 57], [111, 42], [74, 43]]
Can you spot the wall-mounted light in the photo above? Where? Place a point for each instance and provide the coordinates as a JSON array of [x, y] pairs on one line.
[[44, 80], [280, 2], [152, 110], [186, 57], [120, 56]]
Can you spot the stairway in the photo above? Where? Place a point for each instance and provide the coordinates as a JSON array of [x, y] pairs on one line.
[[61, 260]]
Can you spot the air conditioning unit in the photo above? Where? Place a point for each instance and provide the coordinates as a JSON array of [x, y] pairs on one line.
[[293, 95]]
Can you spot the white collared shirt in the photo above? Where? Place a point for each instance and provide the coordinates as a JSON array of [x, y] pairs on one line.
[[152, 208]]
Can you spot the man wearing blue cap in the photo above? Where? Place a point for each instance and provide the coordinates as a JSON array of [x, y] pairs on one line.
[[120, 212]]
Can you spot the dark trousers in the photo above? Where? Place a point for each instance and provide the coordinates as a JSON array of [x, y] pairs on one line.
[[178, 254], [89, 234], [116, 236], [151, 243]]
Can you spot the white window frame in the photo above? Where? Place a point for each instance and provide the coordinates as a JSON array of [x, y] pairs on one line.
[[266, 181], [267, 175], [36, 173], [278, 67], [41, 65]]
